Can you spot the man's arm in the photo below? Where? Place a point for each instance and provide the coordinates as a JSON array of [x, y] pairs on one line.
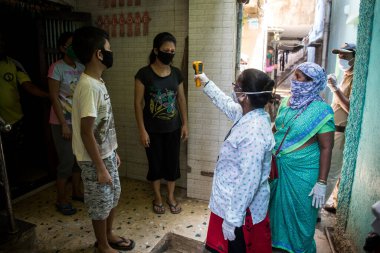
[[34, 90], [340, 98]]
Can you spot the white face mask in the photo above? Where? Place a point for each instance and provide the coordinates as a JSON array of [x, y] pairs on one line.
[[236, 98], [344, 64]]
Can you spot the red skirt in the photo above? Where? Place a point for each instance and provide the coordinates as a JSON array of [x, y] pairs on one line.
[[257, 237]]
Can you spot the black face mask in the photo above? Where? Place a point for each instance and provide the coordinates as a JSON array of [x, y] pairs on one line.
[[165, 58], [107, 58]]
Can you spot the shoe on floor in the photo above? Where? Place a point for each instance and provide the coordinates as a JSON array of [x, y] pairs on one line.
[[118, 245], [330, 209], [158, 208], [174, 208], [65, 209]]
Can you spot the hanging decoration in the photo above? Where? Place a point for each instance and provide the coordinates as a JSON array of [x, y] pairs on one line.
[[100, 22], [145, 20], [114, 23], [129, 25], [107, 23], [131, 21], [137, 21], [121, 25]]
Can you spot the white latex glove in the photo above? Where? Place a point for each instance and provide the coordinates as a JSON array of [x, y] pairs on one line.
[[376, 223], [318, 192], [331, 82], [228, 231], [204, 79]]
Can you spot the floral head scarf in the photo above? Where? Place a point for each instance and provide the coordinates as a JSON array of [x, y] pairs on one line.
[[303, 93]]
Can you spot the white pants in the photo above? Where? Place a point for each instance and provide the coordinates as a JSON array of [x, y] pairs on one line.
[[336, 163]]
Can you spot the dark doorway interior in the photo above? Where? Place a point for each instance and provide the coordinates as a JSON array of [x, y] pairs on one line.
[[29, 169]]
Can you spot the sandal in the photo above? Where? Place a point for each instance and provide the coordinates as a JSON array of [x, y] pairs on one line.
[[65, 209], [158, 208], [174, 208], [119, 244]]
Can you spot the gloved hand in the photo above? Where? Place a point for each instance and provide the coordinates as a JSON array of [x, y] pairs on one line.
[[331, 82], [318, 192], [204, 79], [228, 231]]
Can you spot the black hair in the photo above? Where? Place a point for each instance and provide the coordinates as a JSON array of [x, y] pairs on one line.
[[254, 80], [63, 38], [86, 40], [270, 48], [308, 78], [160, 39]]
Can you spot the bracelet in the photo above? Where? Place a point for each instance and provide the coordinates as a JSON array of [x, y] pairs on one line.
[[322, 181]]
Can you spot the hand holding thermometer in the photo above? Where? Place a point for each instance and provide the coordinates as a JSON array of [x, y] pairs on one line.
[[198, 68]]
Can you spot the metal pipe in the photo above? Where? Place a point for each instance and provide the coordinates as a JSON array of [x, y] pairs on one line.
[[5, 183], [238, 37], [326, 32]]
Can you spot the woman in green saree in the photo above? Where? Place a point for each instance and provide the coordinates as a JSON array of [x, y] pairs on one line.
[[305, 126]]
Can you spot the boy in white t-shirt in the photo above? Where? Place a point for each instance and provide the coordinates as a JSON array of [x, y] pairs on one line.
[[94, 138]]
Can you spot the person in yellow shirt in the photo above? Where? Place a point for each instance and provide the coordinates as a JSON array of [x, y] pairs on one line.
[[12, 74]]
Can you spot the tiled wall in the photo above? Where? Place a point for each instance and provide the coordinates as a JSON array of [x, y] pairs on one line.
[[211, 28], [130, 54]]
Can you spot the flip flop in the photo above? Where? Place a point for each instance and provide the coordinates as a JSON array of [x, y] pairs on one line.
[[158, 208], [65, 209], [174, 208], [119, 244], [96, 248]]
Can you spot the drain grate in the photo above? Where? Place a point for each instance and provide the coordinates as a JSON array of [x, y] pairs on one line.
[[174, 243]]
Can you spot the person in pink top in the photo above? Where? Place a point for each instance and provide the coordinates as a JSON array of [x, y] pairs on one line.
[[62, 78], [269, 63]]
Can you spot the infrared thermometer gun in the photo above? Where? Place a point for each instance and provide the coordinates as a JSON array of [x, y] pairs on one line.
[[198, 68]]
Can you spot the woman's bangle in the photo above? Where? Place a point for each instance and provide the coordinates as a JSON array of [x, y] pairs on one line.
[[322, 181]]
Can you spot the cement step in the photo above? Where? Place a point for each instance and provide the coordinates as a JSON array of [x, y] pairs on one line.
[[21, 241]]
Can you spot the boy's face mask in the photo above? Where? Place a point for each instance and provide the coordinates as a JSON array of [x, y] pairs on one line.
[[107, 58]]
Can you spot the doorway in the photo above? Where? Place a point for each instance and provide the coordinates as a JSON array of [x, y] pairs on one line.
[[27, 28]]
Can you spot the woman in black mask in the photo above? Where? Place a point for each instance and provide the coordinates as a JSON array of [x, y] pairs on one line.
[[161, 115]]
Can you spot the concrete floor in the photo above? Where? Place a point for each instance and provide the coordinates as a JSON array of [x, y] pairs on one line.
[[135, 219]]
